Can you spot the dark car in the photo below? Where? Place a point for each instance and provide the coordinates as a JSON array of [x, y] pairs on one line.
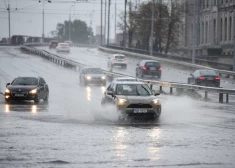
[[27, 88], [148, 67], [204, 78], [90, 75], [53, 44]]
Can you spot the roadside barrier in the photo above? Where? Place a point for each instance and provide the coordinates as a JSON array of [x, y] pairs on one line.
[[77, 66]]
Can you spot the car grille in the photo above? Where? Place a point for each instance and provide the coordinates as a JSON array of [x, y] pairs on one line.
[[139, 106]]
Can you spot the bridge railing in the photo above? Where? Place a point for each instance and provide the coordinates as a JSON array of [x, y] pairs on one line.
[[77, 66]]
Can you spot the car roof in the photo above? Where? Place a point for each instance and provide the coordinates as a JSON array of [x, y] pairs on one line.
[[124, 78], [54, 41], [118, 55], [129, 82], [150, 61]]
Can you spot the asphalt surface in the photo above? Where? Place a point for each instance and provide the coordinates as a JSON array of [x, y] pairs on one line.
[[73, 130]]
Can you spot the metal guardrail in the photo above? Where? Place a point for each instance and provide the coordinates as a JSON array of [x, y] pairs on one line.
[[180, 60], [76, 65]]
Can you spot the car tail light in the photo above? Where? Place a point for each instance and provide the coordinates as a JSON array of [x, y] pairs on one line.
[[49, 43], [144, 68], [68, 47], [114, 59], [202, 78], [160, 69], [217, 79]]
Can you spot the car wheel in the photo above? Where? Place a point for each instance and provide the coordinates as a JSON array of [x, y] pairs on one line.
[[158, 113], [36, 100], [46, 98], [141, 75], [136, 74], [189, 81]]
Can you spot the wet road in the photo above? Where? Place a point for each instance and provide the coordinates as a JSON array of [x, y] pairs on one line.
[[72, 130], [94, 57]]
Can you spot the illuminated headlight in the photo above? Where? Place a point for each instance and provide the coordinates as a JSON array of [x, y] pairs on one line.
[[7, 97], [121, 101], [33, 91], [103, 77], [7, 91], [155, 101], [88, 78]]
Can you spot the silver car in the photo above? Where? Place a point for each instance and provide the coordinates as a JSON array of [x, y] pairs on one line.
[[63, 47], [132, 98]]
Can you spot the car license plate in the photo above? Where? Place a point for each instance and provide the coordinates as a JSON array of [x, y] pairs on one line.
[[140, 111], [210, 78], [152, 68], [119, 60], [19, 95]]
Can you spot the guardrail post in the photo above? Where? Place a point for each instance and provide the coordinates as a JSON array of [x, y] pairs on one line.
[[206, 95], [221, 97], [171, 90], [151, 86], [160, 89], [227, 98]]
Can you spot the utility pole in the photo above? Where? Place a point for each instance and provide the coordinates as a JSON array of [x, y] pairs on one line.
[[108, 22], [43, 34], [115, 29], [101, 24], [9, 22], [152, 27], [105, 7], [124, 36], [234, 44], [194, 33]]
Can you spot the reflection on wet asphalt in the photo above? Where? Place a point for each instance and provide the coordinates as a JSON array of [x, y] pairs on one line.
[[73, 130]]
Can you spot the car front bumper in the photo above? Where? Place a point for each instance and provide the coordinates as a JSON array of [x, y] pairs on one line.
[[28, 96]]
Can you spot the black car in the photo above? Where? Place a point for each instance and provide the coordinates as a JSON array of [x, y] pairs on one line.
[[53, 44], [148, 67], [27, 88], [90, 75], [204, 78]]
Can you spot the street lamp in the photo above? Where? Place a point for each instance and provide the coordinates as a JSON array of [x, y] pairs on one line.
[[70, 22], [43, 26]]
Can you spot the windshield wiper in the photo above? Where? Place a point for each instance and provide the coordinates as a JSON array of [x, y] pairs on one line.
[[145, 89]]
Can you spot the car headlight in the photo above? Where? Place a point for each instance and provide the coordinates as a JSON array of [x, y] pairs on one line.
[[88, 78], [155, 101], [103, 77], [7, 91], [121, 101], [33, 91]]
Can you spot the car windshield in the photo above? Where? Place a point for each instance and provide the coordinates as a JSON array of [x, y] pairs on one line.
[[25, 81], [93, 71], [208, 72], [152, 64], [133, 90], [64, 44], [120, 57]]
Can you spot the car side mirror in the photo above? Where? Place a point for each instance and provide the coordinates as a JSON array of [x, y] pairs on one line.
[[156, 93], [110, 93], [7, 84]]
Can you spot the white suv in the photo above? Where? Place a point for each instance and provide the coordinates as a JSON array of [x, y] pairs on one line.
[[117, 60]]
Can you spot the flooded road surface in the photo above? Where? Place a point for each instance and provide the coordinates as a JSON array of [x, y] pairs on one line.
[[73, 130]]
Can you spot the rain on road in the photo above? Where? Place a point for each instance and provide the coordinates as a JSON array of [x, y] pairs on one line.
[[73, 130]]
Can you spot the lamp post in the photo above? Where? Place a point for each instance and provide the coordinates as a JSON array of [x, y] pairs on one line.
[[152, 27], [43, 25], [70, 22]]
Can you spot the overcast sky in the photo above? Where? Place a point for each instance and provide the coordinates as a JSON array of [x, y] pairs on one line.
[[27, 19]]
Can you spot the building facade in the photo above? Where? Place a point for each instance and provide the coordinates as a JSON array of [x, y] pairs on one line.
[[211, 24]]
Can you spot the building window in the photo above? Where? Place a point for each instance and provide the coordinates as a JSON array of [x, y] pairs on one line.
[[221, 29], [203, 33], [230, 29], [225, 29], [206, 32], [214, 31]]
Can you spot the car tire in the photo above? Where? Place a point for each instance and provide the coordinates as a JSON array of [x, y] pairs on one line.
[[46, 98], [36, 100], [189, 81], [158, 113], [136, 74]]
